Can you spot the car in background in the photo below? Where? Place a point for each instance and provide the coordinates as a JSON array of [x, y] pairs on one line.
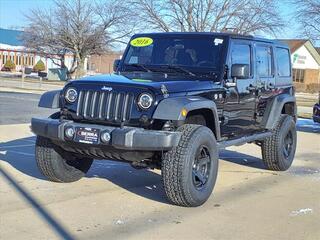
[[316, 111]]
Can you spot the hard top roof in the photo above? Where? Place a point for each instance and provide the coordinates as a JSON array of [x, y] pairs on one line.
[[224, 34]]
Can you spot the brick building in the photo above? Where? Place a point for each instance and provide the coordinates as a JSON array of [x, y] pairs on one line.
[[102, 63]]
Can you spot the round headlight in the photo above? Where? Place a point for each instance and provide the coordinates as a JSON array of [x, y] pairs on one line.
[[145, 100], [71, 95]]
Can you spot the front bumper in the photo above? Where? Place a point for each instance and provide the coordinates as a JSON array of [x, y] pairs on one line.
[[126, 138]]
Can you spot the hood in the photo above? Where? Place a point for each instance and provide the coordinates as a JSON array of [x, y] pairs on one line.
[[151, 81]]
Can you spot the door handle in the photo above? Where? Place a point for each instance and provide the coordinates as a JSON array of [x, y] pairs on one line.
[[230, 84], [271, 86], [251, 88]]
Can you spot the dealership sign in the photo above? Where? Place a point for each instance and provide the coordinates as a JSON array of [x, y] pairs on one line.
[[299, 59]]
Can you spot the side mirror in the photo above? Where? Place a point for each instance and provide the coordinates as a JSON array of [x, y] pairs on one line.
[[116, 64], [240, 71]]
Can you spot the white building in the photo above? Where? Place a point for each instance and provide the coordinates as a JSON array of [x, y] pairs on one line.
[[305, 64], [11, 47]]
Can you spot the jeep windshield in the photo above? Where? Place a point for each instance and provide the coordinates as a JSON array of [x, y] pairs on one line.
[[188, 55]]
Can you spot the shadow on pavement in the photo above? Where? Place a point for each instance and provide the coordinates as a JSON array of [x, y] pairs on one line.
[[241, 159], [146, 183], [19, 154], [56, 226]]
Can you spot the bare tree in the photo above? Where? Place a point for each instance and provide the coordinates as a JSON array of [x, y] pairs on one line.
[[308, 14], [76, 27], [242, 16]]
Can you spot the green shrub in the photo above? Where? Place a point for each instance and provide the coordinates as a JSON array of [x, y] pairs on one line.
[[39, 66], [9, 65]]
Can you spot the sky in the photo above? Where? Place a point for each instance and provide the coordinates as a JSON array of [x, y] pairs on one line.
[[12, 14], [12, 11]]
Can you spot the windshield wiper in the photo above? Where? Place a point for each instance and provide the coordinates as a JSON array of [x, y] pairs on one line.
[[139, 66], [208, 75], [181, 69]]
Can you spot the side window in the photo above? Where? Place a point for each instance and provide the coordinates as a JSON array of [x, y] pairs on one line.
[[263, 61], [283, 62], [241, 54]]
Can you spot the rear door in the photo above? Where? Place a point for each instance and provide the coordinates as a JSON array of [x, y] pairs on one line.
[[274, 73]]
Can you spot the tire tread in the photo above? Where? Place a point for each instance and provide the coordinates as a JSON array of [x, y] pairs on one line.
[[173, 167], [270, 147], [52, 165]]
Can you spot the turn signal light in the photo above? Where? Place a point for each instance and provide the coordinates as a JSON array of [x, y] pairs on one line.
[[184, 112]]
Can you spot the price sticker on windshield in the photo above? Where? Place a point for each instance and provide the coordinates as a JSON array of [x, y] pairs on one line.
[[141, 42]]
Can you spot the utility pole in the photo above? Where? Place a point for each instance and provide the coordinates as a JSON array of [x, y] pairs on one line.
[[23, 76]]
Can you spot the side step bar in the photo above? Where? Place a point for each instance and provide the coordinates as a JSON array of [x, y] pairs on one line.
[[243, 140]]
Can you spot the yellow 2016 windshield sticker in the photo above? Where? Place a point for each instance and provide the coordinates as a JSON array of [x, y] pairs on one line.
[[141, 42]]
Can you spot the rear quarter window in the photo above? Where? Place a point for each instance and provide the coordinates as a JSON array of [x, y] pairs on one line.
[[283, 62]]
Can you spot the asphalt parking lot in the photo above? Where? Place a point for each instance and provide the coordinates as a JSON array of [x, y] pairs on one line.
[[18, 108], [115, 201]]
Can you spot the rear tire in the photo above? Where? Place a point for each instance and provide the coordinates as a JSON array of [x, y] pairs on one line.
[[59, 166], [189, 171], [278, 150]]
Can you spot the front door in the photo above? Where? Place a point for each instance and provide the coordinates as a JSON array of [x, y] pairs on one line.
[[239, 107], [265, 79]]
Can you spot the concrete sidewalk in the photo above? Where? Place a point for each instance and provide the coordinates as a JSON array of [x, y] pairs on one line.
[[29, 85]]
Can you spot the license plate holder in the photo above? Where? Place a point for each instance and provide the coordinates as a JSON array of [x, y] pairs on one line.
[[87, 135]]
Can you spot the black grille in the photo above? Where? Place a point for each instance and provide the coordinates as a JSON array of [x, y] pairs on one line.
[[110, 106]]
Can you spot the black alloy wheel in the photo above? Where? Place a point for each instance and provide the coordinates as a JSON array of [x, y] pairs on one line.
[[201, 168]]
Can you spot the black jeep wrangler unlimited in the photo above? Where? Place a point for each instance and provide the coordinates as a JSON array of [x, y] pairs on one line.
[[175, 100]]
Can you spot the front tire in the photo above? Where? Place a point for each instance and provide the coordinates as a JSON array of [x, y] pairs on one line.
[[278, 150], [189, 171], [59, 166]]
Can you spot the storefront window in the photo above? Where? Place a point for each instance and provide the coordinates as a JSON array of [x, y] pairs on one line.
[[19, 60], [25, 59], [298, 75], [31, 60], [5, 56]]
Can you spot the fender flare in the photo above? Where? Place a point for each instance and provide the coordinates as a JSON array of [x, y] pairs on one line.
[[50, 99], [170, 109], [274, 109]]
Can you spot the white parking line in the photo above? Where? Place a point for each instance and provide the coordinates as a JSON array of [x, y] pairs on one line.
[[15, 146], [27, 140], [22, 153]]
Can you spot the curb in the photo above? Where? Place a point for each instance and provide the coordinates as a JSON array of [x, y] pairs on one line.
[[56, 83], [22, 90]]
